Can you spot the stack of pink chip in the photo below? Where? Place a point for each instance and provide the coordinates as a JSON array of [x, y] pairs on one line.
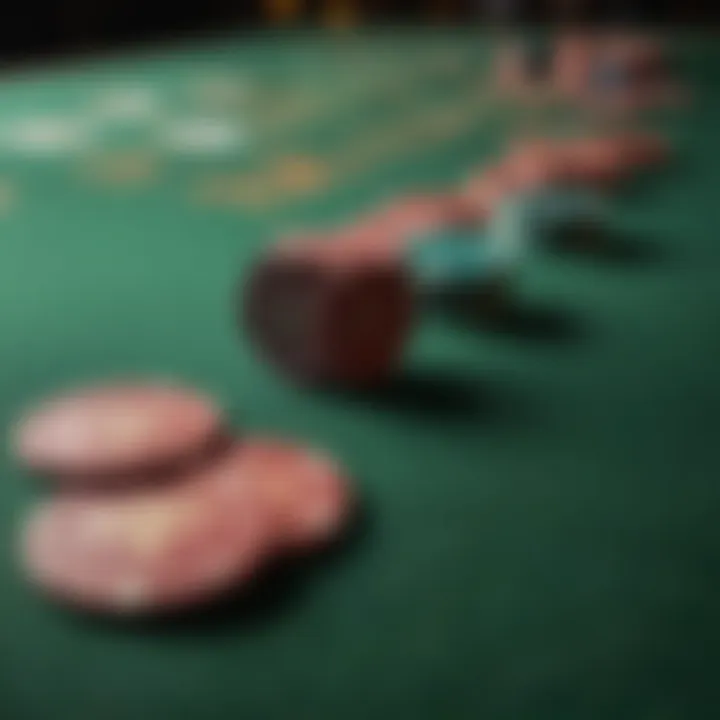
[[157, 507]]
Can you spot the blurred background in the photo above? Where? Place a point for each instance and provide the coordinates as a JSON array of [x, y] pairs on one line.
[[34, 30]]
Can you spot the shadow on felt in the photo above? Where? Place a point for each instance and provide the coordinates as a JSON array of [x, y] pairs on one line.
[[444, 397], [647, 184], [540, 323], [616, 249], [419, 392]]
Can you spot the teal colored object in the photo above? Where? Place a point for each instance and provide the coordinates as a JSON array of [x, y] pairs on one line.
[[528, 220], [513, 230], [452, 257], [460, 256]]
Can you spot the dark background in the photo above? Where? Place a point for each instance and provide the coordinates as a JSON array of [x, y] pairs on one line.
[[35, 29]]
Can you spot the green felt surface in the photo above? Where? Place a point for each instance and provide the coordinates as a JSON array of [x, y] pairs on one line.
[[542, 535]]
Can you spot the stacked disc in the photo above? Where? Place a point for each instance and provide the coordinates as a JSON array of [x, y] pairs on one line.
[[411, 215], [631, 73], [558, 195], [599, 71], [157, 507], [600, 162], [330, 310], [336, 308], [554, 189], [461, 264]]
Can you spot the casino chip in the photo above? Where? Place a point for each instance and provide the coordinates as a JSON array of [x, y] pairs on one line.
[[453, 257], [607, 160], [642, 150], [572, 63], [513, 231], [413, 214], [534, 164], [329, 311], [147, 552], [304, 495], [609, 76], [115, 430], [597, 162], [487, 189]]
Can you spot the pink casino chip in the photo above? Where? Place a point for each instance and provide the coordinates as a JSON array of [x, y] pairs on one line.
[[306, 495], [414, 214], [147, 552], [117, 429]]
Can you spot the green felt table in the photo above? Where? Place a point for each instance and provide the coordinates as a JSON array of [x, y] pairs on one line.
[[541, 535]]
